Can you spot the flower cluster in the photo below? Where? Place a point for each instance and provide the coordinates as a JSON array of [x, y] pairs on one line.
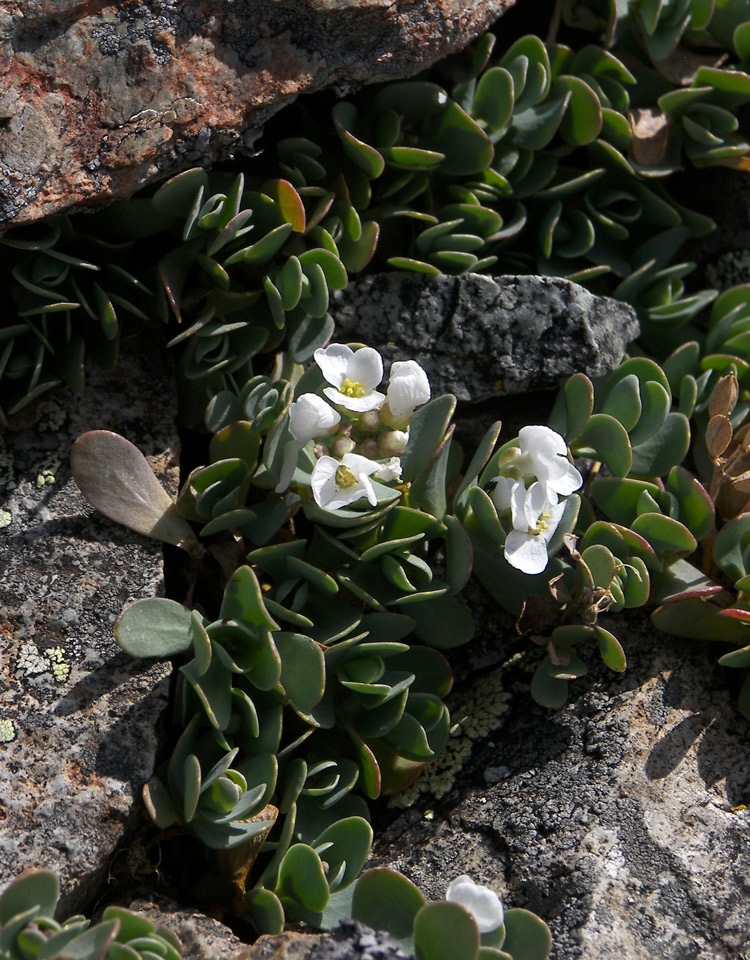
[[360, 433], [536, 510]]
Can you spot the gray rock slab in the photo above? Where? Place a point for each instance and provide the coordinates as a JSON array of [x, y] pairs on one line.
[[77, 716], [204, 938], [100, 98], [620, 819], [479, 336], [349, 941]]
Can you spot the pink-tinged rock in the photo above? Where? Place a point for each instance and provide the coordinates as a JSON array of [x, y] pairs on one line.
[[78, 717], [97, 98]]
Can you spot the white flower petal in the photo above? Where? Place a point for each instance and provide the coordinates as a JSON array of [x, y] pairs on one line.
[[390, 470], [328, 493], [526, 552], [366, 368], [333, 361], [501, 494], [409, 387], [568, 480], [323, 481], [555, 512], [544, 455], [536, 503], [360, 465], [370, 401], [518, 506], [542, 441], [311, 417], [482, 903]]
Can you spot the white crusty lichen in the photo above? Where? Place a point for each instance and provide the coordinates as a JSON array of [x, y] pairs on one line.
[[6, 518], [483, 713], [32, 662], [7, 731]]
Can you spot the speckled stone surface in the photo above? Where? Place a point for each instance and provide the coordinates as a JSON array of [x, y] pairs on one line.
[[99, 98], [77, 716], [620, 819], [203, 938], [479, 336]]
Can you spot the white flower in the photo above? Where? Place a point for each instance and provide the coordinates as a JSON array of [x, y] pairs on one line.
[[354, 376], [309, 417], [337, 483], [501, 494], [535, 515], [544, 455], [408, 389], [390, 470], [481, 902]]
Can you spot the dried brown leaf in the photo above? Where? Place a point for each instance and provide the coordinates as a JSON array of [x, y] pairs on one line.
[[682, 65], [718, 435], [650, 127], [724, 397]]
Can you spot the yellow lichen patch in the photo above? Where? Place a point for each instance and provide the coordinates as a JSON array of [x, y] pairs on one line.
[[60, 669], [6, 518], [47, 471], [7, 731], [31, 662]]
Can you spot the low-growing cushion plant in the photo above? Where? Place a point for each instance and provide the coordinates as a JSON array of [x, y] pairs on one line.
[[345, 515]]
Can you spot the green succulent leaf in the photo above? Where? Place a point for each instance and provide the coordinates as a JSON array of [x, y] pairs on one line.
[[445, 931], [154, 627], [39, 889], [609, 440], [385, 900], [526, 936], [302, 879]]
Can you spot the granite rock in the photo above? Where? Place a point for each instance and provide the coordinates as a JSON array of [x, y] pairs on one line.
[[620, 819], [78, 717], [479, 336], [349, 941], [203, 938], [97, 99]]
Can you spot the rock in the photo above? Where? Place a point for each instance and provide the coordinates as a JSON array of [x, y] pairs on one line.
[[620, 819], [77, 716], [479, 336], [98, 99], [201, 936], [349, 941]]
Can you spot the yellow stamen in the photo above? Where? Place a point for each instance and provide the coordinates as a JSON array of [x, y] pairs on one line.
[[344, 477], [352, 388], [541, 525]]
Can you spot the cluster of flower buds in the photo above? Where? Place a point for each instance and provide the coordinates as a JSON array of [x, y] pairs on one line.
[[359, 433], [535, 510]]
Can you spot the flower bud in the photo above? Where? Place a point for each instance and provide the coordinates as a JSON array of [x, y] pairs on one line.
[[392, 443], [370, 421], [368, 448], [320, 450], [389, 419], [341, 446]]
